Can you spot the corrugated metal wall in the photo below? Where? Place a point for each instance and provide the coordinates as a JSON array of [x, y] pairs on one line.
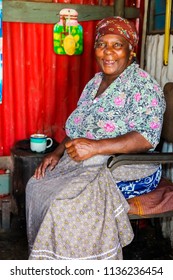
[[40, 88]]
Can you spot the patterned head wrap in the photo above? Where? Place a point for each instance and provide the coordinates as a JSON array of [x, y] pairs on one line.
[[117, 26]]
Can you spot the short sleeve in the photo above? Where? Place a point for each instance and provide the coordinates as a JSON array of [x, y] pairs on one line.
[[147, 106]]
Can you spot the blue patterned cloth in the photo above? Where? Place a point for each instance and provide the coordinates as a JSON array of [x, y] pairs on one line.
[[145, 185]]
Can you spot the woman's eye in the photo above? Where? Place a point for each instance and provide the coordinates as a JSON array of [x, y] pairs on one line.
[[117, 46], [100, 45]]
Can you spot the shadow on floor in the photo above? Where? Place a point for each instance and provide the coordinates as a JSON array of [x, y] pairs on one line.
[[148, 244], [13, 242]]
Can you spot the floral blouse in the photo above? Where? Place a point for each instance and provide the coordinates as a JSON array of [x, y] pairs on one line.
[[133, 102]]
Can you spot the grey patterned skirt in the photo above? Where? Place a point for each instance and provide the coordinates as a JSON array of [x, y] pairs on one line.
[[77, 211]]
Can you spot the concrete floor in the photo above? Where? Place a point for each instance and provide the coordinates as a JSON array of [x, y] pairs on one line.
[[13, 242], [148, 244]]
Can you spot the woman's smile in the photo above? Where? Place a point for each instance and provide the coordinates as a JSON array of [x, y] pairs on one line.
[[108, 62]]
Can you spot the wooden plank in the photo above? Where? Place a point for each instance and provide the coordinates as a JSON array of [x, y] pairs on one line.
[[35, 12], [119, 8], [151, 17]]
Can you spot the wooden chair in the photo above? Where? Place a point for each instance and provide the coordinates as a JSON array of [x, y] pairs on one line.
[[158, 203]]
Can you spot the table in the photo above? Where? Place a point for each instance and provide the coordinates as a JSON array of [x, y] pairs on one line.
[[25, 162]]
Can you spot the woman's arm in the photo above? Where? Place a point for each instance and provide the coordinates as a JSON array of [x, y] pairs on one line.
[[131, 142]]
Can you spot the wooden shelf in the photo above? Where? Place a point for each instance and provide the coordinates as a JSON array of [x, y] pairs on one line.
[[42, 12]]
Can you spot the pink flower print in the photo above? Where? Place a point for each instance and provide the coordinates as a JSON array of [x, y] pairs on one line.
[[154, 125], [137, 96], [100, 123], [131, 124], [85, 103], [101, 109], [84, 94], [67, 132], [118, 101], [97, 81], [89, 135], [143, 74], [156, 87], [109, 127], [77, 120], [154, 102]]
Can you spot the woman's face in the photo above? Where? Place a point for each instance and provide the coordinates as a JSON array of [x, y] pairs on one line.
[[113, 54]]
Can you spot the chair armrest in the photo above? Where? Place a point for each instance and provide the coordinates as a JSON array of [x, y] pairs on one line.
[[144, 158]]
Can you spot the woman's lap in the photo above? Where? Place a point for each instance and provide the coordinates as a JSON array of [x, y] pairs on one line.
[[61, 183], [66, 184]]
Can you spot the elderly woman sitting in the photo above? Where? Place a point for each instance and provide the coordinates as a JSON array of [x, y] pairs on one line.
[[76, 208]]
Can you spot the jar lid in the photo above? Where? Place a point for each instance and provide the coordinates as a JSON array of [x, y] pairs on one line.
[[68, 13]]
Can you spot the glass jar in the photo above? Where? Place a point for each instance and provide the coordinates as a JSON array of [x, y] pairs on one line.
[[68, 34]]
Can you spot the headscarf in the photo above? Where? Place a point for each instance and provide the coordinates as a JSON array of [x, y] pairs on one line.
[[117, 26]]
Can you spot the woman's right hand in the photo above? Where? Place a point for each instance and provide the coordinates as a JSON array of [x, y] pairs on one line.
[[49, 161]]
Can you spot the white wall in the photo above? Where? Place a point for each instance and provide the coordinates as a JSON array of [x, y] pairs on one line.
[[154, 59]]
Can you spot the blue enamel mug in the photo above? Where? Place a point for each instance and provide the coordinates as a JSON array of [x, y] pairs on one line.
[[40, 142]]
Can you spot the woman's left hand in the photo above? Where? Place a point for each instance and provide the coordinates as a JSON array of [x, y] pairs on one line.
[[82, 148]]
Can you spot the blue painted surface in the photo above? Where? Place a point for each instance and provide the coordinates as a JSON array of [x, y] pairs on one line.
[[159, 17]]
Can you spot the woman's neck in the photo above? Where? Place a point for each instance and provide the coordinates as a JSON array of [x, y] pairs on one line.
[[105, 83], [107, 79]]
